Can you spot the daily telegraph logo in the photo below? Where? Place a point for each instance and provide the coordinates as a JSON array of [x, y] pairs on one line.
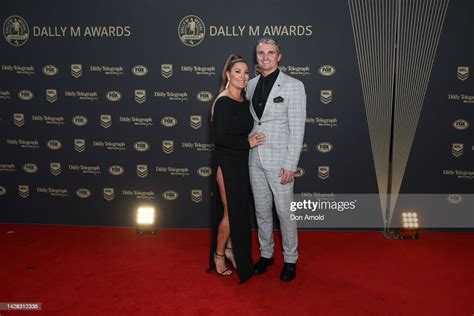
[[51, 95], [55, 168], [195, 121], [18, 119], [140, 96], [463, 73], [139, 70], [23, 191], [323, 172], [191, 30], [142, 171], [457, 150], [168, 146], [16, 30], [76, 70], [108, 194], [196, 196], [326, 96], [79, 145], [166, 70], [106, 120]]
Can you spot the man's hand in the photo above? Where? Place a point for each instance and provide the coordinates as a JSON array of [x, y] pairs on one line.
[[287, 176]]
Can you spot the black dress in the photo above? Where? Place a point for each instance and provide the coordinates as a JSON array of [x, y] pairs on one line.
[[231, 124]]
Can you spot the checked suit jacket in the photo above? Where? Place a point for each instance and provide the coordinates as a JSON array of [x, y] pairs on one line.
[[283, 121]]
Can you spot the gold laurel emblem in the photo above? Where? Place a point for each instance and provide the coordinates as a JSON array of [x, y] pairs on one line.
[[166, 70], [18, 119], [23, 191], [140, 96], [55, 168], [195, 121], [168, 146], [457, 150], [109, 194], [106, 120], [323, 172], [196, 196], [191, 30], [76, 70], [79, 145], [51, 95], [326, 96], [142, 171], [16, 30], [463, 73]]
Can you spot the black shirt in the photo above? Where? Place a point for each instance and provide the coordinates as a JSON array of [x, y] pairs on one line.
[[262, 91]]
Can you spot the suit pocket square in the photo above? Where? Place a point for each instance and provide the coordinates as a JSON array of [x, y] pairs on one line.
[[278, 100]]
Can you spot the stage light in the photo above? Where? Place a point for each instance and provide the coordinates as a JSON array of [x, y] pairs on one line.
[[146, 220], [410, 227]]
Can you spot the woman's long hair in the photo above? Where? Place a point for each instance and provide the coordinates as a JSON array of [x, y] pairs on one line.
[[230, 62]]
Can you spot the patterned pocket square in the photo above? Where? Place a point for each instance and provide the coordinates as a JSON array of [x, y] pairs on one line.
[[278, 100]]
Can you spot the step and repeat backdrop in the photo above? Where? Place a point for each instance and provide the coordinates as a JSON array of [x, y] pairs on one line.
[[104, 106]]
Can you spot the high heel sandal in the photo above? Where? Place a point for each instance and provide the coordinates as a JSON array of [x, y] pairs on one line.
[[230, 257], [226, 272]]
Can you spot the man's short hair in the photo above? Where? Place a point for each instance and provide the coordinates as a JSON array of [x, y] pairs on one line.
[[269, 40]]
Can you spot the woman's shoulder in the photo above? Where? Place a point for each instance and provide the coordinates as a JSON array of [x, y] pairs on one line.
[[218, 101]]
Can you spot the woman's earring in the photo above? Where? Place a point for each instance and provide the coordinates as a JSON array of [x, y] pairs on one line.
[[227, 84]]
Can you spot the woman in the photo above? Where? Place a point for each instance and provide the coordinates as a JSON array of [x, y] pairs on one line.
[[231, 123]]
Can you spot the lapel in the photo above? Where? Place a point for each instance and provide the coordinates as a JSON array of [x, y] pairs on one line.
[[251, 88], [279, 82]]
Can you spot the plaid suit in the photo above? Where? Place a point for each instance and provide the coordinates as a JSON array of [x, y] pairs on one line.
[[283, 122]]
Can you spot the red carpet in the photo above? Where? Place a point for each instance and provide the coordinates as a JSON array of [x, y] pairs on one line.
[[112, 271]]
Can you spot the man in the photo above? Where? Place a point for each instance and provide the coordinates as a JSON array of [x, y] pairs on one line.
[[278, 106]]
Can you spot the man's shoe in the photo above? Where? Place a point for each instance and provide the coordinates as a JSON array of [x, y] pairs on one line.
[[262, 265], [289, 272]]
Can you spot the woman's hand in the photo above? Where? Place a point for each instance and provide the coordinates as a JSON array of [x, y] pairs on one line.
[[257, 139]]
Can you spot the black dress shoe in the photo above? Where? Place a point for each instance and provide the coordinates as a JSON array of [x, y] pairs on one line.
[[289, 272], [262, 265]]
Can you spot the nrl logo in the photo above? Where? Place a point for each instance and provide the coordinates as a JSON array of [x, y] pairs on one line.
[[457, 150], [195, 121], [18, 119], [168, 146], [463, 73], [51, 95], [79, 145], [142, 171], [140, 96], [196, 196], [76, 70], [166, 70], [55, 168], [326, 96], [106, 120], [108, 194], [23, 191], [323, 172]]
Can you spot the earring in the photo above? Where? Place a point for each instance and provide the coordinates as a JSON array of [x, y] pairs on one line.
[[227, 84]]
